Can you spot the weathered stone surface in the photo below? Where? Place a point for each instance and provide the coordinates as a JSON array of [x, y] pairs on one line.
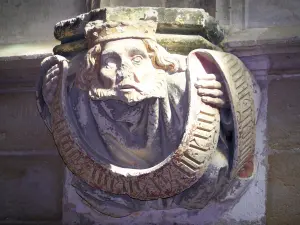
[[283, 114], [174, 43], [31, 188], [170, 20], [119, 162], [21, 127], [70, 48], [283, 205], [184, 44]]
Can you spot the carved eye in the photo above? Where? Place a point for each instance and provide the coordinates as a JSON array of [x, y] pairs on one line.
[[110, 63], [136, 60]]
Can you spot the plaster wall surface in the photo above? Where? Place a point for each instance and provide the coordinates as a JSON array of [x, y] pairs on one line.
[[267, 13], [33, 20]]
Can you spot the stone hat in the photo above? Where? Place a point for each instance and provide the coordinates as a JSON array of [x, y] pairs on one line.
[[99, 31]]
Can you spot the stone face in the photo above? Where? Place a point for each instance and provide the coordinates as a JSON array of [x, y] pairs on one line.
[[283, 205], [31, 188], [284, 114], [21, 127]]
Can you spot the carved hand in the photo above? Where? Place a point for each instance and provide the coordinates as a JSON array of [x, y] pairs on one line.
[[50, 81], [210, 90]]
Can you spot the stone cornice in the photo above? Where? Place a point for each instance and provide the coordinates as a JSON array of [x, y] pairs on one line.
[[11, 52], [257, 41], [274, 50]]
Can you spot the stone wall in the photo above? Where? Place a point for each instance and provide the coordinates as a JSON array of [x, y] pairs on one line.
[[31, 171], [283, 194]]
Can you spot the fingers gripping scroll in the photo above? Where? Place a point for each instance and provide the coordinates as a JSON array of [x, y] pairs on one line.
[[51, 71]]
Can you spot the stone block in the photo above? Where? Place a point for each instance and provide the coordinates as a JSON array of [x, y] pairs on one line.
[[284, 114], [170, 20], [283, 194], [21, 126], [31, 188]]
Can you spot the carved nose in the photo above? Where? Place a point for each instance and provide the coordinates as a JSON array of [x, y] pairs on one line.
[[125, 70], [120, 74]]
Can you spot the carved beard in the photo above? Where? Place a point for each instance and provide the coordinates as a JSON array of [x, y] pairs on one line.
[[156, 89]]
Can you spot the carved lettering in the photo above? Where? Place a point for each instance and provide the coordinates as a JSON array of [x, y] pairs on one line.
[[205, 118], [195, 156], [184, 169], [118, 184], [206, 127], [236, 72]]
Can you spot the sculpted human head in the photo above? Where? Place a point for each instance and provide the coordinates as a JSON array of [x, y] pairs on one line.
[[126, 72], [129, 70]]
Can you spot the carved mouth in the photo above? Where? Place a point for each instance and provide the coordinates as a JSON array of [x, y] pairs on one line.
[[129, 88]]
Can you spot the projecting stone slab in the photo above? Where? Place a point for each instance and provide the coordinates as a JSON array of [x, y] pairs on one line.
[[174, 43], [170, 20]]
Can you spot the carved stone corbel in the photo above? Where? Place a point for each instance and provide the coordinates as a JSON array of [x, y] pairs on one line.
[[131, 119]]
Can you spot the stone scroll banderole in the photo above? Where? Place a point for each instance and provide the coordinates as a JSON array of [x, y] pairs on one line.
[[141, 183]]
